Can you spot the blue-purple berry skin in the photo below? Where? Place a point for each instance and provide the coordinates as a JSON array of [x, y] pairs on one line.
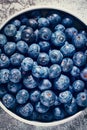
[[71, 32], [78, 85], [62, 83], [4, 61], [44, 46], [58, 38], [66, 64], [15, 75], [45, 84], [58, 113], [45, 33], [84, 74], [47, 98], [35, 96], [79, 59], [65, 97], [10, 30], [68, 49], [34, 50], [41, 108], [54, 71], [59, 27], [17, 37], [75, 72], [4, 76], [55, 56], [79, 40], [9, 101], [81, 99], [22, 96], [43, 59], [22, 47], [27, 64], [3, 40], [14, 87], [16, 59], [71, 108], [9, 48], [43, 22], [67, 22], [29, 82], [3, 91], [25, 110]]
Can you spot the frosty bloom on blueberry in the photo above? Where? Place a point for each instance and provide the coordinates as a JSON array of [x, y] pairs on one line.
[[43, 65]]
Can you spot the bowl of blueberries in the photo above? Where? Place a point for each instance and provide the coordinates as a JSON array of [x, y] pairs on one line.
[[43, 66]]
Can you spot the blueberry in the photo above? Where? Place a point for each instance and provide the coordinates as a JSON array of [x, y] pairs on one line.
[[14, 87], [22, 27], [44, 46], [67, 22], [9, 101], [17, 37], [29, 82], [71, 108], [75, 72], [45, 33], [54, 19], [47, 98], [35, 96], [34, 50], [79, 59], [41, 108], [3, 40], [55, 56], [3, 91], [25, 110], [46, 117], [65, 97], [28, 35], [15, 75], [22, 47], [54, 71], [79, 40], [66, 64], [43, 59], [4, 76], [68, 49], [10, 30], [34, 116], [43, 22], [22, 96], [81, 99], [62, 82], [84, 74], [24, 20], [40, 72], [58, 38], [78, 85], [17, 23], [27, 64], [59, 27], [32, 23], [36, 32], [9, 48], [71, 89], [4, 61], [70, 32], [16, 59], [58, 113], [44, 85], [57, 102]]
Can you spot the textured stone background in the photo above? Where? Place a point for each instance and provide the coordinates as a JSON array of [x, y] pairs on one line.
[[9, 7]]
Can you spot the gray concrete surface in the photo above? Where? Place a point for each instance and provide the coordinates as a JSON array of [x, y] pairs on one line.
[[9, 7]]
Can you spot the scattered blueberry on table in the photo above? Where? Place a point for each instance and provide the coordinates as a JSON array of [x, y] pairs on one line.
[[43, 65]]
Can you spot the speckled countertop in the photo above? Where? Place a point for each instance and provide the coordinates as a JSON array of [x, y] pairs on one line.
[[9, 7]]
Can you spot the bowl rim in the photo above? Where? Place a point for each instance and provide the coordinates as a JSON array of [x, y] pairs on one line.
[[35, 123]]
